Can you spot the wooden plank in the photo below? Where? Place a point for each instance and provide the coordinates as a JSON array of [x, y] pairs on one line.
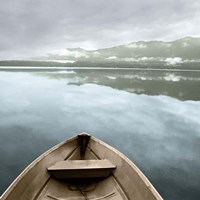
[[82, 169]]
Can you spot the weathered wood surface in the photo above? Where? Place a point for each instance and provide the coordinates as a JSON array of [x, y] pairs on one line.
[[126, 182]]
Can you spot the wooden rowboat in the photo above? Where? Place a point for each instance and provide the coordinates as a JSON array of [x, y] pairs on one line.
[[82, 167]]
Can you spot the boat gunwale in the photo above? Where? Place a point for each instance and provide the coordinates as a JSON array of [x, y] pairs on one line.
[[33, 164], [132, 165]]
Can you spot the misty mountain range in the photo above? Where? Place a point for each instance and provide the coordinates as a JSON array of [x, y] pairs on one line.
[[184, 53]]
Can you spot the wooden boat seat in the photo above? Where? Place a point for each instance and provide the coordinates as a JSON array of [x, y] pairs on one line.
[[71, 169]]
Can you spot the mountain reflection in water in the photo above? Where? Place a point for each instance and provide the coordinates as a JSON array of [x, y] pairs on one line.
[[159, 133]]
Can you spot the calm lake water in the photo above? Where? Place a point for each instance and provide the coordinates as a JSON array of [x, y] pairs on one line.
[[152, 116]]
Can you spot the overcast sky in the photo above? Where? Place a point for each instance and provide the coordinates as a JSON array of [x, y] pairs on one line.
[[35, 27]]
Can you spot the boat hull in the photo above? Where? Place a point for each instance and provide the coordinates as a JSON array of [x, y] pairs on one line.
[[125, 182]]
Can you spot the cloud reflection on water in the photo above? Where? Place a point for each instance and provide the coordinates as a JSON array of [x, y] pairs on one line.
[[159, 133]]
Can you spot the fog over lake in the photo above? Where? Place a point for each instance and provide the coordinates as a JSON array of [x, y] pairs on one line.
[[153, 117]]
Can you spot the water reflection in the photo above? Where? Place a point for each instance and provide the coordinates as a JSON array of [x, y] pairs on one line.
[[183, 85], [159, 133]]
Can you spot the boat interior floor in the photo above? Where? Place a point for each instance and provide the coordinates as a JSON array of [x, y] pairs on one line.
[[92, 189]]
